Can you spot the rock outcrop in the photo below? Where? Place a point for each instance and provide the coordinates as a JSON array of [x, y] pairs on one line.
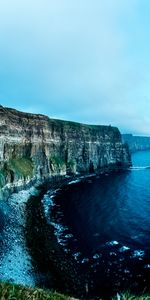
[[36, 147], [136, 143]]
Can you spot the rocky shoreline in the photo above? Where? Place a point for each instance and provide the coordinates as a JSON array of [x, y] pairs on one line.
[[59, 268], [54, 268], [61, 271]]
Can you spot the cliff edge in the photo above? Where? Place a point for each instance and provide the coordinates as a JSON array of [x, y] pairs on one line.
[[33, 146], [136, 143]]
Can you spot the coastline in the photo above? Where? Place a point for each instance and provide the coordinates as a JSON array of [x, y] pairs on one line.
[[62, 272], [59, 268], [56, 269]]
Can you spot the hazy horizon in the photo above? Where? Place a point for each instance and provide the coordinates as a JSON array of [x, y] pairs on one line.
[[83, 61]]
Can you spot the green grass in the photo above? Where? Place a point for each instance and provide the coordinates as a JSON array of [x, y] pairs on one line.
[[71, 166], [129, 296], [21, 166], [2, 177], [56, 160], [18, 292]]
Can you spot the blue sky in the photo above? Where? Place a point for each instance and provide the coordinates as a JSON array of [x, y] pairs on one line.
[[81, 60]]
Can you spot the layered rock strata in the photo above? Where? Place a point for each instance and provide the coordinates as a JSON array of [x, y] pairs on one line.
[[136, 143], [35, 147]]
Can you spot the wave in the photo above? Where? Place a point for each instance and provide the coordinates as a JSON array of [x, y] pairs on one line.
[[139, 168]]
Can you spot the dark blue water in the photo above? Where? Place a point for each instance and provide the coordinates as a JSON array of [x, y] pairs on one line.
[[104, 222]]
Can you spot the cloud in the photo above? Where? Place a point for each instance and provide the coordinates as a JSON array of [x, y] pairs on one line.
[[80, 60]]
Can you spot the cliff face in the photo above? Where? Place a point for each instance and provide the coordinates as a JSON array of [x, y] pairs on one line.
[[136, 143], [35, 147]]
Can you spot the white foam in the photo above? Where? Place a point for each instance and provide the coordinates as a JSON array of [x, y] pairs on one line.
[[74, 181], [147, 266], [112, 254], [48, 203], [96, 256], [139, 168], [76, 255], [126, 271], [138, 253], [85, 260], [112, 243], [57, 190], [69, 236], [59, 231], [124, 248], [22, 196], [59, 228]]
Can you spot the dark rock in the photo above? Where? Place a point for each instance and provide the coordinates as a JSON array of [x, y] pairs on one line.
[[34, 148]]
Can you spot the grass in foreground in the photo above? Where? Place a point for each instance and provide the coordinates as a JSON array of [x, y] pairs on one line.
[[18, 292], [128, 296]]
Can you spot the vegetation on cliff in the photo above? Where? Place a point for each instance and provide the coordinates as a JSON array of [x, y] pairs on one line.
[[56, 147], [57, 164], [21, 166], [17, 167]]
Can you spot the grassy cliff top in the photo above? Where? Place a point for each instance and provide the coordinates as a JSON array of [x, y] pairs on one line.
[[15, 114]]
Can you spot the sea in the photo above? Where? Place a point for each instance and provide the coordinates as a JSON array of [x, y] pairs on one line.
[[102, 221]]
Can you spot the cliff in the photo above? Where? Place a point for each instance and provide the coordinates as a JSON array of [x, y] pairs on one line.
[[36, 147], [136, 143]]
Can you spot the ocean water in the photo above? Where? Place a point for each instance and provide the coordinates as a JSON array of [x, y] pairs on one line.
[[104, 223]]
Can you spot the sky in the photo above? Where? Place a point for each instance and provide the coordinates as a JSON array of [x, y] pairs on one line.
[[81, 60]]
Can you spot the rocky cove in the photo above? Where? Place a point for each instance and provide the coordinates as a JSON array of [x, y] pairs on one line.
[[46, 153], [31, 252], [80, 236]]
